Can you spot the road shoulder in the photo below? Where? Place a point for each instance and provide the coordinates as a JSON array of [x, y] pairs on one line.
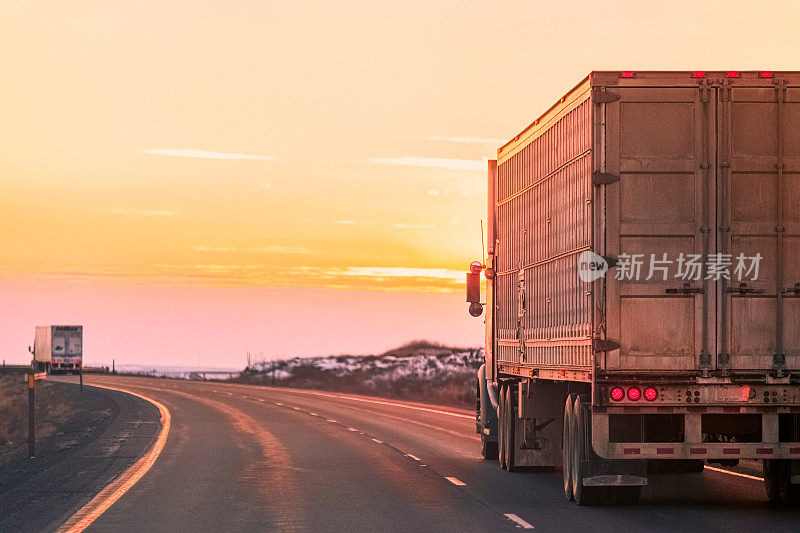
[[74, 464]]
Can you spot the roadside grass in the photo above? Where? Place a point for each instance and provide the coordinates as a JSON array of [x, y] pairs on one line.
[[53, 408]]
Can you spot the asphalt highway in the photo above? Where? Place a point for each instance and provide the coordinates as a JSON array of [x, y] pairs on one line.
[[248, 458]]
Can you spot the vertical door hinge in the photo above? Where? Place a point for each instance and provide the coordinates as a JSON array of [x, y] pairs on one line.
[[705, 362], [604, 345], [779, 364], [602, 96], [603, 178]]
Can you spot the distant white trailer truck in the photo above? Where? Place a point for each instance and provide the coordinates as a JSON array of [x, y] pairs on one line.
[[58, 348]]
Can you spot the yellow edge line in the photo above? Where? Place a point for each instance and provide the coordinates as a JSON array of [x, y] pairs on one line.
[[114, 490]]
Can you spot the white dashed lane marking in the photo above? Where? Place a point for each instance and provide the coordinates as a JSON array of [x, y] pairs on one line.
[[352, 429], [378, 441], [519, 521], [413, 457], [454, 481]]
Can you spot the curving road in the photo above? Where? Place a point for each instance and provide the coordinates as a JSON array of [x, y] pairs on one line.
[[241, 457]]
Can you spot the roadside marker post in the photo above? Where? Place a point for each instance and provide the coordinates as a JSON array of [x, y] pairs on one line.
[[32, 378]]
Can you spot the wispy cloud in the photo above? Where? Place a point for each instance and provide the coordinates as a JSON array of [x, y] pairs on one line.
[[256, 250], [143, 212], [401, 272], [430, 162], [212, 249], [403, 225], [281, 250], [464, 140], [352, 222], [204, 154]]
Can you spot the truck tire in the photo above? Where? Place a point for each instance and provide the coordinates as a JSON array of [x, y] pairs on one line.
[[778, 482], [578, 430], [501, 429], [566, 439], [510, 422], [581, 429]]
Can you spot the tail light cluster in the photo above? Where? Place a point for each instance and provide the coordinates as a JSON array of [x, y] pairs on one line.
[[634, 394]]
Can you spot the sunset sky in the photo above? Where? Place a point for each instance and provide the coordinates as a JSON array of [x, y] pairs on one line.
[[194, 179]]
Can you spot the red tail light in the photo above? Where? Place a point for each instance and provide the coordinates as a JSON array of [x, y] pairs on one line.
[[733, 74], [53, 362], [634, 394], [699, 74], [627, 74], [766, 74], [617, 394], [650, 394]]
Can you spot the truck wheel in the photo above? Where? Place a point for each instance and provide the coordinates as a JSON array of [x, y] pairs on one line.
[[510, 441], [778, 482], [501, 427], [579, 431], [566, 447]]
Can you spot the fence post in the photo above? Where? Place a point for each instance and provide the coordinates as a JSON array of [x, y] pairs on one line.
[[31, 433]]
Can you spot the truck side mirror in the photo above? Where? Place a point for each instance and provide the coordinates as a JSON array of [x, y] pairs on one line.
[[474, 294]]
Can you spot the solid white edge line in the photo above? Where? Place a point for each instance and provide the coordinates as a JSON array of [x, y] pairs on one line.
[[112, 492], [519, 521], [737, 474], [455, 481]]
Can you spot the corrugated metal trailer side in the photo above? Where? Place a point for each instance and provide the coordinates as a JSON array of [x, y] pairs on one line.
[[543, 222]]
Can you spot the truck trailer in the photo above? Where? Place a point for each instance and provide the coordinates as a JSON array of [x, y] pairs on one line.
[[58, 349], [642, 283]]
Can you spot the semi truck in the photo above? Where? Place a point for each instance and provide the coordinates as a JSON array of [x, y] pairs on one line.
[[58, 349], [642, 283]]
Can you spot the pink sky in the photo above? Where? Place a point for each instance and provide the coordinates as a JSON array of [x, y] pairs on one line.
[[169, 326]]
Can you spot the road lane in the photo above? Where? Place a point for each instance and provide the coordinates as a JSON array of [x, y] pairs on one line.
[[389, 472]]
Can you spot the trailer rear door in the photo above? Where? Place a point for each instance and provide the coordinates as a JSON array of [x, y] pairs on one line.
[[660, 141], [759, 194]]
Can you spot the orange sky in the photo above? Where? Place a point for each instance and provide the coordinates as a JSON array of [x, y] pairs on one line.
[[245, 144]]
